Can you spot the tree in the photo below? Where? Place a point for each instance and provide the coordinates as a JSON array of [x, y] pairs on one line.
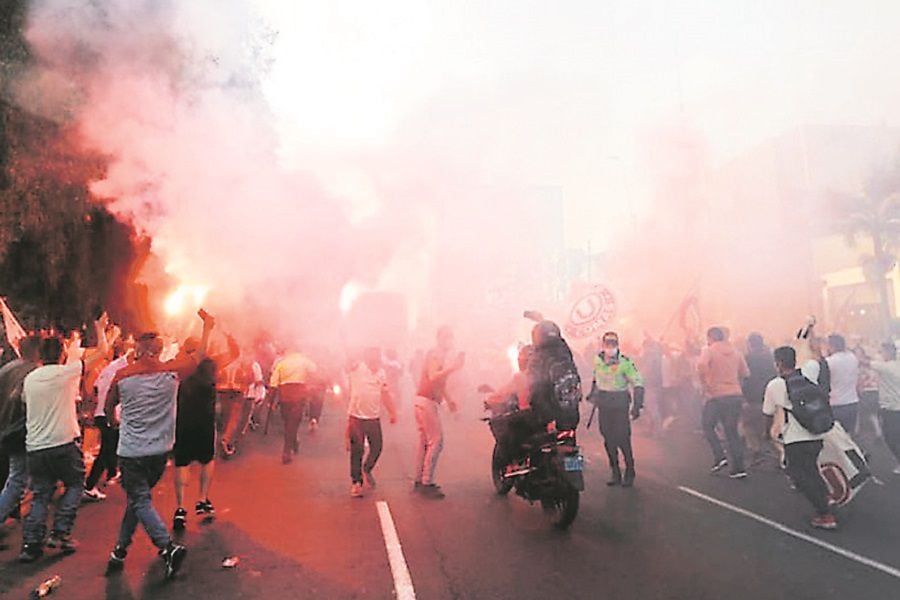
[[874, 214]]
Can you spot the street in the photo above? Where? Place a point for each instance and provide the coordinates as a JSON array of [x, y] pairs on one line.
[[680, 533]]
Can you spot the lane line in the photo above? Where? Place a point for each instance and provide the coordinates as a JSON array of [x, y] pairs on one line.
[[402, 581], [889, 570]]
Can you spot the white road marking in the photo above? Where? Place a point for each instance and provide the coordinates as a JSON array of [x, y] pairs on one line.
[[402, 581], [797, 534]]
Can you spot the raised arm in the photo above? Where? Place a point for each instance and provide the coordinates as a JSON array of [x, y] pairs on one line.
[[103, 343]]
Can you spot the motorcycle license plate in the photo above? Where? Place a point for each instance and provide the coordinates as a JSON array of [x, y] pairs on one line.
[[573, 463]]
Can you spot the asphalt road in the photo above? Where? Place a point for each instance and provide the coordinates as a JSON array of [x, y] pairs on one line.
[[299, 534]]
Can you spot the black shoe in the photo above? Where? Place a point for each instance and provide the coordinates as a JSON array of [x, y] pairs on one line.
[[205, 508], [629, 478], [718, 465], [180, 520], [116, 559], [30, 553], [417, 487], [173, 555], [63, 541], [432, 491]]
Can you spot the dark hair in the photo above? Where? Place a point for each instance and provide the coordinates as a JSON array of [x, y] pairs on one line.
[[755, 341], [716, 334], [786, 357], [51, 350], [837, 342], [30, 347], [890, 349]]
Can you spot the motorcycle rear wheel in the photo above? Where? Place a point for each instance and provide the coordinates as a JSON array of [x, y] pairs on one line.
[[562, 511], [498, 468]]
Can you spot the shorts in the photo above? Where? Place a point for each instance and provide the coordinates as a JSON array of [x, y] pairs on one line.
[[195, 444]]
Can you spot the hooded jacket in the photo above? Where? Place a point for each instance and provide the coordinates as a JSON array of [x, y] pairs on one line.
[[722, 369]]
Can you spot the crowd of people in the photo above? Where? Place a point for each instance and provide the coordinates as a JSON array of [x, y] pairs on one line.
[[154, 406]]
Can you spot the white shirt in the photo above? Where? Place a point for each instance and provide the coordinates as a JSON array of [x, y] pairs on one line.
[[844, 368], [888, 383], [104, 381], [366, 389], [257, 388], [50, 394], [776, 396]]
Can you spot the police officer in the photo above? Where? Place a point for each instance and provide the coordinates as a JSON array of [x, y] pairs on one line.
[[616, 379]]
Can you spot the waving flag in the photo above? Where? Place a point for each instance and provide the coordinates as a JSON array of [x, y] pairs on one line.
[[14, 331]]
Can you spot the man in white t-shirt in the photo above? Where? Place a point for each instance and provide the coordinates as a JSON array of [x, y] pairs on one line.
[[52, 432], [843, 367], [888, 372], [801, 447], [368, 393]]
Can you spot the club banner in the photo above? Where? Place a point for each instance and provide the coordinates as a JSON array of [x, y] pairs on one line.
[[842, 465], [591, 312]]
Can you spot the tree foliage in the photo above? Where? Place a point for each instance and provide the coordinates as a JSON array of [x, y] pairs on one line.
[[62, 256]]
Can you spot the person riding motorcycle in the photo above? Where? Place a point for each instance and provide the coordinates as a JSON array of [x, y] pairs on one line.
[[513, 401], [614, 375], [552, 373]]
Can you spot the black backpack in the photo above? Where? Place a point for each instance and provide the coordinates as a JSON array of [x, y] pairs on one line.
[[809, 403], [557, 390]]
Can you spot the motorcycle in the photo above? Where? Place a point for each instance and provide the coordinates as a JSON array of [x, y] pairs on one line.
[[547, 466]]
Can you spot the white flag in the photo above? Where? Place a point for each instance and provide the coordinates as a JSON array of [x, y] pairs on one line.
[[842, 465], [14, 331]]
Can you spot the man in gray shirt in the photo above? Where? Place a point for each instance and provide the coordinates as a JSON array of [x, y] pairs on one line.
[[147, 390]]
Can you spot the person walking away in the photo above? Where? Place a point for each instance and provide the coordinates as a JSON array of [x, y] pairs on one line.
[[843, 367], [801, 447], [255, 396], [50, 394], [106, 460], [887, 371], [868, 426], [292, 377], [616, 380], [761, 365], [195, 429], [721, 370], [147, 391], [12, 415], [431, 392], [368, 393]]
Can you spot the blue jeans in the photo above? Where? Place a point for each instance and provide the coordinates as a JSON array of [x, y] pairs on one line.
[[15, 485], [63, 463], [139, 475], [727, 411]]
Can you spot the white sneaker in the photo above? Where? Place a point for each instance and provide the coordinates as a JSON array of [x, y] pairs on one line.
[[313, 424], [94, 495]]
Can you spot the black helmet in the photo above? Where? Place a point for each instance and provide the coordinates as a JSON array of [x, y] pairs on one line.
[[544, 331]]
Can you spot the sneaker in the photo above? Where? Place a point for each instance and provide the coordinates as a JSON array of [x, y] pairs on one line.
[[179, 522], [628, 481], [718, 465], [896, 470], [30, 553], [615, 479], [205, 508], [417, 487], [116, 559], [368, 480], [115, 479], [93, 495], [356, 490], [63, 541], [173, 555], [824, 522], [738, 475], [432, 491], [313, 425]]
